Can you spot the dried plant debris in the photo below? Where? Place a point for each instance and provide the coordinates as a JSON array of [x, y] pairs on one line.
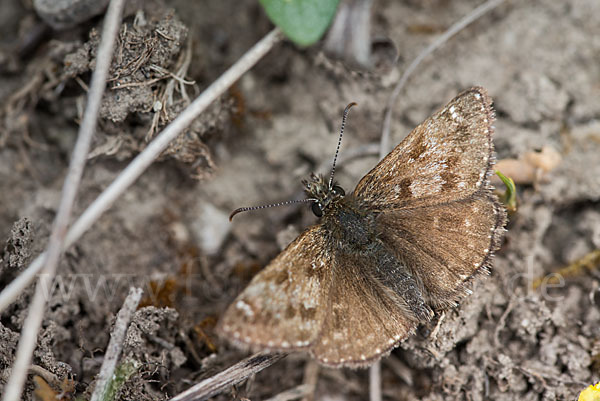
[[17, 250], [151, 338], [531, 167], [147, 86], [150, 344], [145, 52], [9, 340]]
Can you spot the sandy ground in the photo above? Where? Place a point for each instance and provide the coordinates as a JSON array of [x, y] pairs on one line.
[[538, 59]]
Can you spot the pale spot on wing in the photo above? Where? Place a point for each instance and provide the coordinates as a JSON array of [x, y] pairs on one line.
[[428, 186], [445, 158], [453, 112], [243, 306]]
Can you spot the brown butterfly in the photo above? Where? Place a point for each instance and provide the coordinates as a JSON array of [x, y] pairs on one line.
[[406, 242]]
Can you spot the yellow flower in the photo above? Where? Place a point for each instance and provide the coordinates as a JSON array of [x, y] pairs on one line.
[[592, 393]]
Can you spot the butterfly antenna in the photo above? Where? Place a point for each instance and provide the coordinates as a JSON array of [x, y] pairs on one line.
[[247, 209], [337, 150]]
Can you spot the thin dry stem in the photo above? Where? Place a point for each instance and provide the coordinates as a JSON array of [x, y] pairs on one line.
[[375, 382], [292, 394], [489, 5], [115, 345], [144, 160], [311, 377], [32, 323], [235, 374]]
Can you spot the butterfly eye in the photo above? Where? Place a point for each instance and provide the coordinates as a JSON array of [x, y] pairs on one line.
[[339, 190], [317, 210]]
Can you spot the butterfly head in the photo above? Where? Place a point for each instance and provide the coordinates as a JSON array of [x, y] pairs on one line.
[[322, 192]]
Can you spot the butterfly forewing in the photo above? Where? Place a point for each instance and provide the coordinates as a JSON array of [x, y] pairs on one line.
[[445, 158], [284, 305]]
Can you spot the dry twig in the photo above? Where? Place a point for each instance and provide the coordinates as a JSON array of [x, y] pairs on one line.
[[375, 382], [144, 160], [115, 345], [31, 326], [311, 376], [453, 30], [235, 374], [293, 393]]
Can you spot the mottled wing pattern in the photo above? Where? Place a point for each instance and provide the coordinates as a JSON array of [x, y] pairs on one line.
[[445, 158], [284, 305], [435, 207], [444, 246], [364, 319]]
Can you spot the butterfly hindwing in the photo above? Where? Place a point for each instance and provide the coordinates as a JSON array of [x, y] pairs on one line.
[[445, 245], [364, 319]]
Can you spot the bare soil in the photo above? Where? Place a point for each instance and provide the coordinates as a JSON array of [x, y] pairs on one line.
[[512, 340]]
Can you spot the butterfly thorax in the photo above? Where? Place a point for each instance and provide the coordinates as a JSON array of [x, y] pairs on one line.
[[324, 193], [352, 227]]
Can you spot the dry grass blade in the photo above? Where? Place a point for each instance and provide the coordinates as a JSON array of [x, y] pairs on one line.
[[57, 237], [375, 382], [235, 374], [115, 346], [293, 393], [453, 30], [144, 160]]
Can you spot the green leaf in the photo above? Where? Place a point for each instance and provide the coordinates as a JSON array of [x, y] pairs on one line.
[[510, 195], [123, 372], [302, 21]]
